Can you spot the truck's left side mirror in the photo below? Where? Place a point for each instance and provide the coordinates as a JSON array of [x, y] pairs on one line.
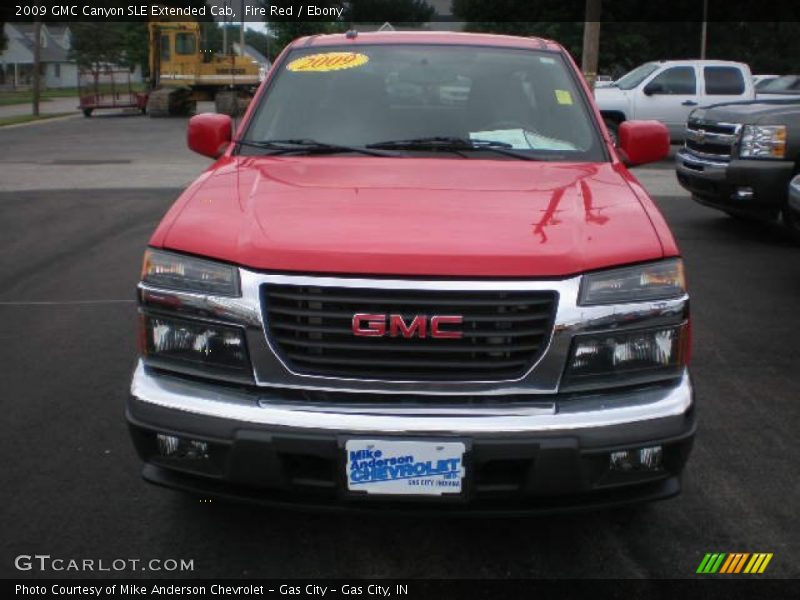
[[643, 142], [209, 134], [653, 88]]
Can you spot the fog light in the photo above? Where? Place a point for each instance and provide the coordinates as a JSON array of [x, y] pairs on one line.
[[170, 446], [642, 459], [743, 193]]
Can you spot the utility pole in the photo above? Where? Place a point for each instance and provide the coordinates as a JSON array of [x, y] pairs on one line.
[[591, 41], [241, 31], [37, 61], [225, 32], [704, 31]]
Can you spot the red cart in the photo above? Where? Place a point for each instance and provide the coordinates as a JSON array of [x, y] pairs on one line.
[[108, 88]]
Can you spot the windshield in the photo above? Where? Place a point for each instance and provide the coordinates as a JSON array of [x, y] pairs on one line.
[[788, 84], [633, 78], [429, 98]]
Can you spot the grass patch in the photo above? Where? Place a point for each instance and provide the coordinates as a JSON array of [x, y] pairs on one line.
[[26, 97], [12, 98], [16, 120]]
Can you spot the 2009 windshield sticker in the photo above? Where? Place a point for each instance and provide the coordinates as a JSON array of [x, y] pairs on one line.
[[327, 61]]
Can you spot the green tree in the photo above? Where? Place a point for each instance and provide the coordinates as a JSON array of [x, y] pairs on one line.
[[286, 31], [354, 11], [97, 44], [392, 11]]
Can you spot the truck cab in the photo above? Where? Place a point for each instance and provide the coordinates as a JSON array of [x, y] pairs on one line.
[[667, 91]]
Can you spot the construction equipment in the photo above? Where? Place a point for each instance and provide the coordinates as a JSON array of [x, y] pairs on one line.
[[183, 72]]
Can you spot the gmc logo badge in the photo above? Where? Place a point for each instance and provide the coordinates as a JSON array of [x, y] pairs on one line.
[[370, 325]]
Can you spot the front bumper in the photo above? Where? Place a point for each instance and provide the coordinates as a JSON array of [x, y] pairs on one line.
[[755, 187], [547, 455]]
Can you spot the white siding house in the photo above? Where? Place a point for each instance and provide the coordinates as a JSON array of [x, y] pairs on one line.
[[16, 62]]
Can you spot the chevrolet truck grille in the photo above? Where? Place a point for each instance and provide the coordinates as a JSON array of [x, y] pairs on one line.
[[503, 333], [714, 141]]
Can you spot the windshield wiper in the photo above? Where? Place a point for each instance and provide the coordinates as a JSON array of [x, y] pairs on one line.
[[452, 144], [294, 146]]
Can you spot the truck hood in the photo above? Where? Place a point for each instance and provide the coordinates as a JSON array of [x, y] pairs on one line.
[[754, 112], [611, 97], [413, 217]]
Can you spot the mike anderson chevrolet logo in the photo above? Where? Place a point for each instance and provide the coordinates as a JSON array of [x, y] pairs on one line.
[[733, 563], [420, 326]]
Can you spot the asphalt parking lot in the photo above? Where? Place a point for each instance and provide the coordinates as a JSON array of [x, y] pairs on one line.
[[78, 201]]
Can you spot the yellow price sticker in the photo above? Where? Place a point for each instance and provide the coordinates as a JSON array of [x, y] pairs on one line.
[[327, 61], [563, 97]]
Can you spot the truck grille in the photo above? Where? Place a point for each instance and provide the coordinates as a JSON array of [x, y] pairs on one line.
[[714, 141], [310, 327]]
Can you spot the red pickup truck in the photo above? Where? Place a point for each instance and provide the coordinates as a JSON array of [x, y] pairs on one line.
[[417, 276]]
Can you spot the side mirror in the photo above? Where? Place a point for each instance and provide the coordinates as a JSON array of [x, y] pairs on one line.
[[653, 88], [643, 142], [209, 134]]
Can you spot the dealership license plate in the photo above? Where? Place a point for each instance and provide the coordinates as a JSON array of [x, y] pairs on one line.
[[428, 468]]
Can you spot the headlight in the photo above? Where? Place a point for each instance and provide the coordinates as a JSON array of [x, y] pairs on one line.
[[627, 357], [194, 346], [179, 272], [763, 141], [661, 280]]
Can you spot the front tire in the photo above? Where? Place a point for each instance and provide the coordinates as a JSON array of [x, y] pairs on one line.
[[791, 221]]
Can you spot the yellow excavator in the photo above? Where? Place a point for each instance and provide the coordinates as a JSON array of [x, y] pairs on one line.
[[183, 72]]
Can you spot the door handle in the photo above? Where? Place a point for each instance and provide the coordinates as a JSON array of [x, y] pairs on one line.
[[689, 103]]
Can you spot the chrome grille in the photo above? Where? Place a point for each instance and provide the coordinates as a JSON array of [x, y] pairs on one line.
[[504, 332], [714, 141]]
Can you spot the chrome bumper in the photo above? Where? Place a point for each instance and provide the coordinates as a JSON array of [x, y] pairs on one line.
[[700, 167], [266, 407]]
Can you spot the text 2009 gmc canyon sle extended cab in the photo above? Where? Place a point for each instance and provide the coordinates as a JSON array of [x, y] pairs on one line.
[[418, 277]]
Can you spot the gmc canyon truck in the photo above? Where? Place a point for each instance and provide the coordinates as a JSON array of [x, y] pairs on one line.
[[739, 158], [385, 297]]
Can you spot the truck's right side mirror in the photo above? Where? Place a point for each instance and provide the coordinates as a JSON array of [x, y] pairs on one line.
[[209, 134], [643, 142]]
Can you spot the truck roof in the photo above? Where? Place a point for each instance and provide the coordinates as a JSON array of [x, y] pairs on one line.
[[705, 62], [428, 37]]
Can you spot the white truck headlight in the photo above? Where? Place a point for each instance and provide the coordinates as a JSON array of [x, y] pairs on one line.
[[660, 280], [173, 271], [763, 141]]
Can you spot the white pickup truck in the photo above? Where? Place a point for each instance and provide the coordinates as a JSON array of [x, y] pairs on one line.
[[668, 91]]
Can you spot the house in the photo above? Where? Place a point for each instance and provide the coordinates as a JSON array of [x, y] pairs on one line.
[[16, 62]]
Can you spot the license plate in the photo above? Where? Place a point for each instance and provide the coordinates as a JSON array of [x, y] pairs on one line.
[[392, 467]]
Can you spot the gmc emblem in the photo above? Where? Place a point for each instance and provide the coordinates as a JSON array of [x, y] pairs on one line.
[[370, 325]]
